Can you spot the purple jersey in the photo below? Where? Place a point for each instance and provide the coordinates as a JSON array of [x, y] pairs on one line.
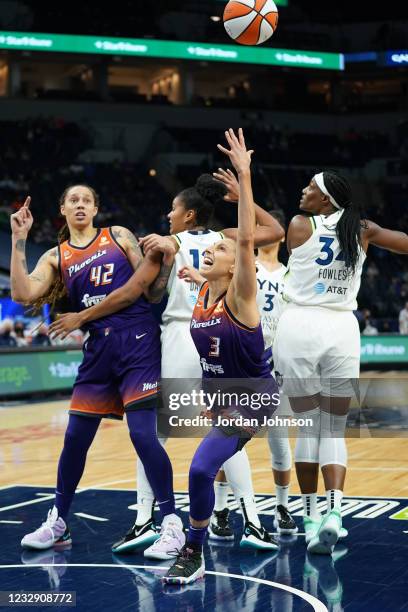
[[90, 273], [227, 348]]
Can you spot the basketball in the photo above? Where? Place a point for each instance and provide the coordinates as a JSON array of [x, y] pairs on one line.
[[250, 22]]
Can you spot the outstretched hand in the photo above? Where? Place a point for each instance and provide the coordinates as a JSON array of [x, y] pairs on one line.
[[22, 221], [239, 156], [189, 274], [230, 181]]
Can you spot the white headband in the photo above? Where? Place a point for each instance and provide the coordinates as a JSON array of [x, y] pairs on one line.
[[319, 180]]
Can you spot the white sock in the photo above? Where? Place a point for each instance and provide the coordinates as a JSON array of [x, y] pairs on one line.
[[334, 497], [282, 495], [249, 510], [145, 496], [310, 504], [221, 495], [238, 474]]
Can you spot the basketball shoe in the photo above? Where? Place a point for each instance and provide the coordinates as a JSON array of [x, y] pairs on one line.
[[53, 532], [219, 527], [171, 539], [138, 535], [189, 566], [257, 537]]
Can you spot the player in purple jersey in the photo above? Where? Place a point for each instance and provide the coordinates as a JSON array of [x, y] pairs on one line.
[[227, 332], [121, 367]]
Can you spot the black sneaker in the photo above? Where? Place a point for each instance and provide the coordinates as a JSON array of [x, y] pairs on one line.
[[283, 521], [219, 527], [257, 537], [189, 566], [137, 535]]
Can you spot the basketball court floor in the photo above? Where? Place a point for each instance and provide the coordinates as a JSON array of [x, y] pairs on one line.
[[368, 571]]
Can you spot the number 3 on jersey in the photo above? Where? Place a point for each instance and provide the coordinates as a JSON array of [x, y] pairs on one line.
[[214, 347], [328, 252], [102, 275]]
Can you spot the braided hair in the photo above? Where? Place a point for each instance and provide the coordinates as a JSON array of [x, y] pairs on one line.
[[348, 229]]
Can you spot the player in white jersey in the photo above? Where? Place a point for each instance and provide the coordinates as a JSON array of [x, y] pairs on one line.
[[191, 212], [317, 344], [270, 273]]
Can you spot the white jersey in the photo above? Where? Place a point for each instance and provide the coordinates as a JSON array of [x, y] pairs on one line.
[[269, 299], [316, 273], [182, 295]]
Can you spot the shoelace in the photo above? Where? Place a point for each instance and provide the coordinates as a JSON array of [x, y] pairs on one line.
[[50, 520], [284, 514], [222, 518], [169, 532]]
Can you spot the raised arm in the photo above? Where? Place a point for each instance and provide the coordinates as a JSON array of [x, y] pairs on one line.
[[241, 294], [268, 229], [396, 242], [27, 288]]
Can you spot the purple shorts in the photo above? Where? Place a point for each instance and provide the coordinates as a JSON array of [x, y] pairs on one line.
[[120, 371]]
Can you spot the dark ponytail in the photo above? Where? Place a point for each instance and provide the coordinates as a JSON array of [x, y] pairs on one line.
[[349, 226], [203, 198], [58, 289]]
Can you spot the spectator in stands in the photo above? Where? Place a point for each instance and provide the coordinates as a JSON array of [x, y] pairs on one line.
[[19, 333], [6, 337], [403, 320], [41, 338], [369, 329]]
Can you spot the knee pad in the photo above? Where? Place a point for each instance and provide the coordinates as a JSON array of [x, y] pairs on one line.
[[281, 455], [307, 442]]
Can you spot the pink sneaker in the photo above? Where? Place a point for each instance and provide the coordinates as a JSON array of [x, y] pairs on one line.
[[53, 532], [170, 542]]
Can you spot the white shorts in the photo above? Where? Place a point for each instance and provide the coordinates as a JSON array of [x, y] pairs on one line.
[[317, 350], [180, 358]]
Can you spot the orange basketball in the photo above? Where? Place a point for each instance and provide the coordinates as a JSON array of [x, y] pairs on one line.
[[250, 22]]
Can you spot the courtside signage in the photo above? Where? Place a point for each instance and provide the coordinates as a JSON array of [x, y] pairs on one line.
[[67, 43], [35, 372], [384, 349]]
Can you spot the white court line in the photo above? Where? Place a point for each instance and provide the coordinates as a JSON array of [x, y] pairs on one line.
[[317, 605], [101, 485], [12, 522], [91, 516]]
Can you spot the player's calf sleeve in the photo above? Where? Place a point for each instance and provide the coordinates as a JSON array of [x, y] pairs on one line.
[[79, 435], [142, 431], [238, 474], [281, 455], [213, 451], [307, 442], [332, 447], [145, 495]]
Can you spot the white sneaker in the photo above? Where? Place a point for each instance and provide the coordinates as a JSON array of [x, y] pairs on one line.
[[170, 542], [326, 538], [53, 532], [311, 526]]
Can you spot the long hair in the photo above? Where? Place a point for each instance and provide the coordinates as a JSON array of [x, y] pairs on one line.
[[348, 229], [58, 289], [203, 197]]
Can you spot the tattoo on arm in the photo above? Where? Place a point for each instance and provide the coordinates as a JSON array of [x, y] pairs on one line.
[[158, 288], [24, 264], [132, 245], [20, 245]]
